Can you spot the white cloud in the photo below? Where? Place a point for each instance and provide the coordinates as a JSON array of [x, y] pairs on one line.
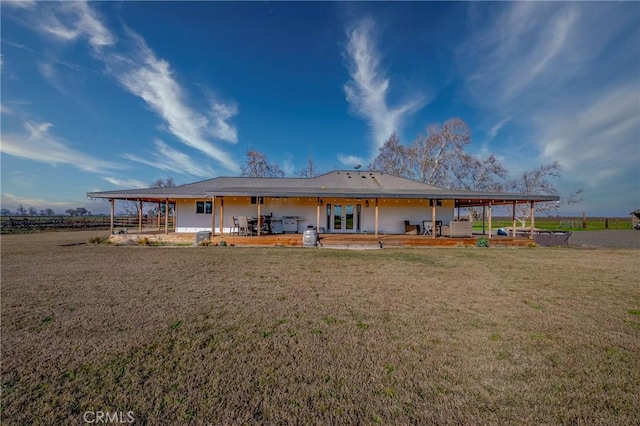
[[126, 183], [171, 160], [150, 78], [368, 88], [39, 145], [493, 132], [601, 140], [70, 21], [12, 201], [141, 73], [571, 93], [20, 4], [351, 160]]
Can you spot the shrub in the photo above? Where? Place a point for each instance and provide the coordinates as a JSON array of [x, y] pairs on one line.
[[482, 242], [98, 240]]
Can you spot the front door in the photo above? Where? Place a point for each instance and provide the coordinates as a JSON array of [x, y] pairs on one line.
[[343, 218]]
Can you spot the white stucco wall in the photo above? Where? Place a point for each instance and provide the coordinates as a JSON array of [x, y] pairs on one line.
[[391, 217]]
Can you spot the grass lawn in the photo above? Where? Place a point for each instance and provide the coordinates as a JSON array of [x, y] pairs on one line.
[[231, 335]]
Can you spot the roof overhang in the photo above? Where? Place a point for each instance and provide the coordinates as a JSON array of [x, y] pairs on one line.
[[337, 184]]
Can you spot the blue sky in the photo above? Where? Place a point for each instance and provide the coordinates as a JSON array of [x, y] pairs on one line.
[[114, 95]]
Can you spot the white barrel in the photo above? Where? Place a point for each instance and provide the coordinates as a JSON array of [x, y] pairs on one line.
[[310, 238]]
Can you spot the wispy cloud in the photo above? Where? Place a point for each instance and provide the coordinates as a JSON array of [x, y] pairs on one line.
[[171, 160], [38, 144], [368, 88], [70, 21], [601, 140], [20, 4], [150, 78], [12, 201], [141, 72], [570, 92], [126, 183], [493, 132], [350, 160]]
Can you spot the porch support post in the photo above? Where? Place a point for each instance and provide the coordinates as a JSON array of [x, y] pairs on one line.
[[513, 220], [490, 209], [484, 215], [258, 199], [375, 224], [318, 215], [113, 213], [213, 216], [222, 216], [533, 221], [175, 215], [159, 213], [434, 230], [166, 216], [139, 216]]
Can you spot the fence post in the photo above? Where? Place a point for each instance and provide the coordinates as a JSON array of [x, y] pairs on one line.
[[584, 220], [606, 223]]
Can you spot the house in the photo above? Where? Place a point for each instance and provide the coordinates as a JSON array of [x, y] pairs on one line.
[[342, 201], [635, 219]]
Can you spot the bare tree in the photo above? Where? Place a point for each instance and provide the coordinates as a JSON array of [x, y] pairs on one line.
[[258, 166], [539, 180], [309, 171], [160, 183], [434, 156], [476, 174], [393, 158]]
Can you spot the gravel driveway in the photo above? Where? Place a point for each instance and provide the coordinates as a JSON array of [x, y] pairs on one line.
[[614, 238]]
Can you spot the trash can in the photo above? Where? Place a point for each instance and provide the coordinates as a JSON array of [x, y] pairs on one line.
[[310, 238], [202, 236]]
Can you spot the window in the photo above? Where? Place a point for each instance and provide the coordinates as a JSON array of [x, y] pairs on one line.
[[437, 203], [203, 207], [254, 200]]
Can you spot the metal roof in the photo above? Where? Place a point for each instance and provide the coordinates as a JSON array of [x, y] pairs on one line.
[[341, 183]]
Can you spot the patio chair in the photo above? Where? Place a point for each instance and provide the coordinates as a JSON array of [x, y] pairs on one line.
[[236, 227], [427, 227], [243, 226], [411, 229]]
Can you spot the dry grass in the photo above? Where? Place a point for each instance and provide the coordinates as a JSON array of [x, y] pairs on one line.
[[290, 335]]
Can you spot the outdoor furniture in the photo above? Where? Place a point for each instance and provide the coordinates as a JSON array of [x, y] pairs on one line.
[[411, 229], [426, 227], [236, 227], [243, 226], [263, 223], [458, 229]]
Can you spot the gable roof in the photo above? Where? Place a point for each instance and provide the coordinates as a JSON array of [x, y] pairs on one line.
[[340, 183]]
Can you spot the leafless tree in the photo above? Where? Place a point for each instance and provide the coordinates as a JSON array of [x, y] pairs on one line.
[[539, 180], [477, 174], [434, 156], [160, 183], [257, 165], [309, 171], [393, 158]]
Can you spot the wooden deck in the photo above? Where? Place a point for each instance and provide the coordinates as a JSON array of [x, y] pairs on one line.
[[326, 240]]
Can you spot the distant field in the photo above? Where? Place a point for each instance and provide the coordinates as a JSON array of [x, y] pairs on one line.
[[563, 223], [231, 335]]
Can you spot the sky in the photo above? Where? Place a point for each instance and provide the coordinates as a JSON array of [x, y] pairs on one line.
[[115, 95]]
